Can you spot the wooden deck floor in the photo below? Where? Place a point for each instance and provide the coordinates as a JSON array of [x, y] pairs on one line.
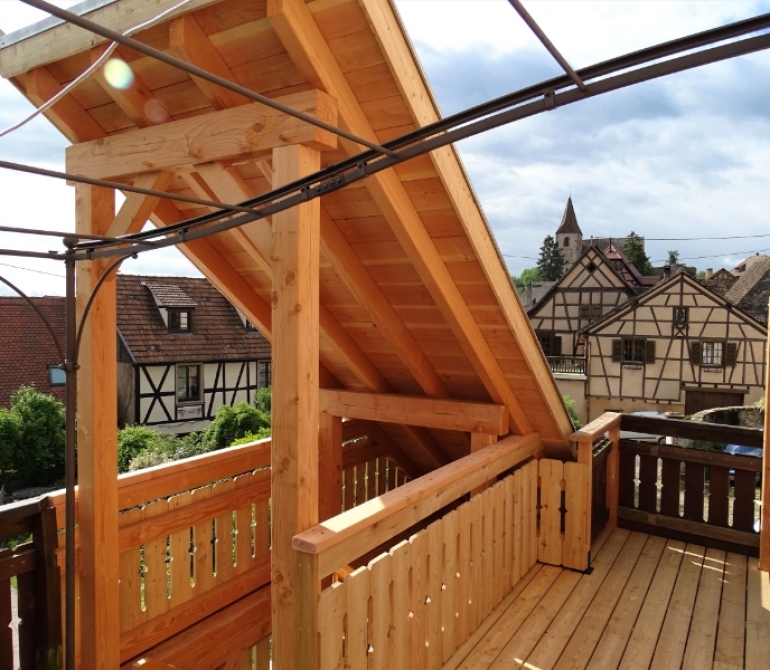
[[649, 603]]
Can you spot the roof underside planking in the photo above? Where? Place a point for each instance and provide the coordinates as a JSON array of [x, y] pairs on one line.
[[415, 298]]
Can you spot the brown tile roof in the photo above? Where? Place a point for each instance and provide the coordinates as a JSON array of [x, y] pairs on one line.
[[170, 295], [217, 331], [627, 269], [26, 345], [753, 274]]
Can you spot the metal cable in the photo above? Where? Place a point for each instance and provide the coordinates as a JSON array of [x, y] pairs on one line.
[[199, 72]]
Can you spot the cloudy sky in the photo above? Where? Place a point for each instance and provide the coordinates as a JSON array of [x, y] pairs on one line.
[[683, 157]]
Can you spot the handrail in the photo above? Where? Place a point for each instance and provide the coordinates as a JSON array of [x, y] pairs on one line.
[[342, 539], [597, 427], [698, 430]]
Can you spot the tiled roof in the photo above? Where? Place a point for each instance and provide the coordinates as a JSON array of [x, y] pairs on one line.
[[26, 345], [569, 222], [754, 273], [217, 331], [745, 265], [627, 269], [170, 295]]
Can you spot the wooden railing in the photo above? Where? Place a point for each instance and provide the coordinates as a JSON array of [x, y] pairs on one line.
[[432, 566], [571, 365], [674, 486], [36, 596]]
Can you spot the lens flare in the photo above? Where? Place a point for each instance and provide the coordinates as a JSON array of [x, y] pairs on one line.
[[118, 73]]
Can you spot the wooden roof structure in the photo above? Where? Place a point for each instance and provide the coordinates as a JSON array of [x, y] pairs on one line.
[[392, 288]]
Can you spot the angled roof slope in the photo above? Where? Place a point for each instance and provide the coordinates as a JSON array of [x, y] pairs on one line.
[[415, 297], [26, 345], [218, 334], [748, 280]]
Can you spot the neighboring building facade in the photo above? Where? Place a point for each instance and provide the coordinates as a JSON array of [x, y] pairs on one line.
[[678, 347], [591, 288], [720, 281], [183, 352], [28, 353]]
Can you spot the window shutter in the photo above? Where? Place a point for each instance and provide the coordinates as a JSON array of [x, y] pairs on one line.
[[649, 351], [617, 351], [557, 346], [584, 311], [731, 353], [695, 351]]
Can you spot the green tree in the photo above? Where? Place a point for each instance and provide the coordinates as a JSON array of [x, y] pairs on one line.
[[134, 440], [634, 250], [527, 277], [673, 258], [263, 400], [32, 436], [550, 264]]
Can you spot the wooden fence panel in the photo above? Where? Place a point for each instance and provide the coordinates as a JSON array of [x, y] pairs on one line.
[[576, 546], [550, 540], [6, 614]]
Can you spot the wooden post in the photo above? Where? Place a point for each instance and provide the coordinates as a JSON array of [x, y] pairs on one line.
[[585, 454], [48, 643], [764, 527], [97, 445], [479, 441], [613, 466], [295, 395], [329, 466]]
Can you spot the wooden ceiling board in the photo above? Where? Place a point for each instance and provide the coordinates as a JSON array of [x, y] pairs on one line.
[[447, 296]]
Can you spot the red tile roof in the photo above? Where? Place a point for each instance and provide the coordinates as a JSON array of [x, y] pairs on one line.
[[27, 347], [217, 330]]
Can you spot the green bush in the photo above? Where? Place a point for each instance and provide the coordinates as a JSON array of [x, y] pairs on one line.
[[32, 438], [232, 423], [569, 404], [261, 434], [133, 440], [263, 400]]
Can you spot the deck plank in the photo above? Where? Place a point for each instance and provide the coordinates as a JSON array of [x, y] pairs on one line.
[[552, 643], [673, 636], [730, 636], [757, 617], [577, 653], [641, 645], [488, 649], [613, 642], [701, 641]]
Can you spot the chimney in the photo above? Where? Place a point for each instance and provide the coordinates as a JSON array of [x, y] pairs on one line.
[[666, 271], [709, 272], [528, 296]]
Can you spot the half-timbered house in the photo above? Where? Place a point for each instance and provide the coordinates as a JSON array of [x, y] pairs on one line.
[[679, 347], [183, 352]]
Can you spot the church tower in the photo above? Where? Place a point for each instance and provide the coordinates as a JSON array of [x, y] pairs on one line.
[[569, 236]]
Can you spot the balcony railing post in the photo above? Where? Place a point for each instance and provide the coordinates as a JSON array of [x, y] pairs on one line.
[[306, 630], [764, 519], [613, 466], [585, 456]]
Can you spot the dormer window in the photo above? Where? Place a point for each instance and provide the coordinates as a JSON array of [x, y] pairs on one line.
[[250, 327], [179, 321]]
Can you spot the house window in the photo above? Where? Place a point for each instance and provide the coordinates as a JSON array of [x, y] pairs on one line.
[[590, 312], [56, 376], [188, 383], [633, 351], [566, 241], [680, 316], [179, 321], [264, 374], [550, 343], [250, 327], [711, 353]]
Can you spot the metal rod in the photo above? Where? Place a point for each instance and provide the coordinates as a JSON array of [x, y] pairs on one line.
[[19, 167], [199, 72], [56, 233], [51, 255], [304, 190], [546, 42], [70, 370], [47, 323]]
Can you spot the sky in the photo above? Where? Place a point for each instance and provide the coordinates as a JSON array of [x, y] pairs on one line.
[[687, 156]]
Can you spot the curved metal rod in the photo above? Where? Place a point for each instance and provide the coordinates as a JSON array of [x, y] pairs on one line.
[[91, 299], [47, 323]]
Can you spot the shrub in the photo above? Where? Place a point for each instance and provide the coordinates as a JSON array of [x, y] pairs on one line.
[[569, 403], [32, 436], [133, 440], [263, 400], [261, 434], [232, 423]]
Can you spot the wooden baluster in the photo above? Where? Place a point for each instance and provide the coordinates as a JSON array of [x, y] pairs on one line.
[[613, 473]]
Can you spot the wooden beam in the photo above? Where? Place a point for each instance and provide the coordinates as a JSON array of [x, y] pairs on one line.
[[425, 412], [295, 26], [329, 466], [66, 39], [136, 101], [67, 114], [189, 43], [359, 282], [137, 208], [764, 523], [97, 445], [223, 135], [478, 442], [295, 394], [411, 81]]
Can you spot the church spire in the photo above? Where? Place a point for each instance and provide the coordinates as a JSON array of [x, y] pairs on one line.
[[569, 222]]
